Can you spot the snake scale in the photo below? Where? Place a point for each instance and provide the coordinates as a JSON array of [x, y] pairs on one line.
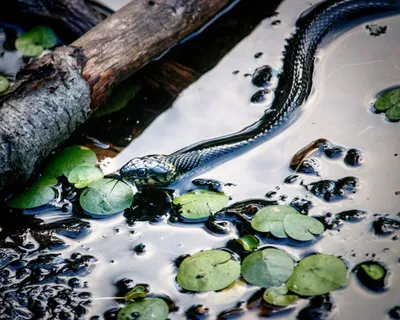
[[294, 86]]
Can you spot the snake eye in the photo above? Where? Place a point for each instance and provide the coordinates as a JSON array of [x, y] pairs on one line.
[[141, 172]]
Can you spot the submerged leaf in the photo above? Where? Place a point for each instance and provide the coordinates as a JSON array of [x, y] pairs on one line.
[[200, 204], [64, 161], [248, 242], [136, 293], [145, 309], [302, 228], [83, 175], [317, 274], [209, 270], [105, 197], [33, 42], [374, 270], [277, 296], [4, 84], [267, 268]]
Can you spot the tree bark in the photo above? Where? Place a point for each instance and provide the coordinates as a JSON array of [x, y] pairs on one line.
[[59, 91]]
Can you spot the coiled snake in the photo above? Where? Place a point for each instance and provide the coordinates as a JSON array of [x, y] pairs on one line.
[[293, 88]]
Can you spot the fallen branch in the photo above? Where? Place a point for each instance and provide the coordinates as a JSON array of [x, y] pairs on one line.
[[59, 91]]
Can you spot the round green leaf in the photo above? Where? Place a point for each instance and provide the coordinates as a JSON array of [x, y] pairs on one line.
[[302, 228], [373, 270], [83, 175], [267, 268], [136, 293], [145, 309], [270, 219], [33, 42], [317, 274], [64, 161], [35, 196], [105, 197], [248, 242], [393, 113], [209, 270], [388, 99], [277, 296], [200, 204], [4, 84]]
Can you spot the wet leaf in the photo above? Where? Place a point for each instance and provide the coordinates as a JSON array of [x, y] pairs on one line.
[[277, 296], [200, 204], [136, 293], [390, 102], [35, 196], [33, 42], [105, 197], [209, 270], [145, 309], [317, 274], [267, 268], [119, 98], [66, 160], [4, 84], [302, 228], [82, 176], [248, 242], [270, 219], [373, 270]]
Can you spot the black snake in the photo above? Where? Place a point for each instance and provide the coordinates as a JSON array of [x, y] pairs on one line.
[[293, 88]]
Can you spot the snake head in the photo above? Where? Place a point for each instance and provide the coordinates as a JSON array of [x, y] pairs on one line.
[[149, 170]]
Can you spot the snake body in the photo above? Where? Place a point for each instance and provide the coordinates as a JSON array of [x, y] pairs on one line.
[[294, 86]]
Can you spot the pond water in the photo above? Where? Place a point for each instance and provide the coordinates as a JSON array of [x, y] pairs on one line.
[[351, 69]]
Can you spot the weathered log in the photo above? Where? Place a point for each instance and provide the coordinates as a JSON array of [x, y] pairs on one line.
[[58, 92], [71, 18]]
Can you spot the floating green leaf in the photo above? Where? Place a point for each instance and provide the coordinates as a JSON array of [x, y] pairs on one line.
[[208, 271], [105, 197], [83, 175], [35, 196], [145, 309], [33, 42], [267, 268], [317, 274], [4, 84], [248, 242], [270, 219], [373, 270], [136, 293], [277, 296], [200, 204], [390, 102], [119, 98], [302, 228], [64, 161]]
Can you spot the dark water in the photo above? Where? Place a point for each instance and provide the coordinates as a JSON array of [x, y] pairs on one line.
[[352, 68]]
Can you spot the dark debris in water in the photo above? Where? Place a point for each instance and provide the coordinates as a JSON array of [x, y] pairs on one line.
[[319, 308], [301, 205], [197, 312], [375, 29], [331, 190], [262, 76], [353, 158], [394, 313], [384, 226], [260, 96], [211, 184]]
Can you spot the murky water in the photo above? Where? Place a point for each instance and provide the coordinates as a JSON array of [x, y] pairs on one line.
[[352, 67]]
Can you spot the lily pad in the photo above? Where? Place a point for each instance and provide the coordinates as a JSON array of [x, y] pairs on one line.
[[35, 196], [390, 102], [66, 160], [145, 309], [317, 274], [277, 296], [33, 42], [248, 242], [105, 197], [372, 275], [373, 270], [82, 176], [200, 204], [136, 293], [267, 268], [4, 84], [302, 228], [270, 219], [209, 270]]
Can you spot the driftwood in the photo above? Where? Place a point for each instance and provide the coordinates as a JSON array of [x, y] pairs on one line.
[[58, 92]]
